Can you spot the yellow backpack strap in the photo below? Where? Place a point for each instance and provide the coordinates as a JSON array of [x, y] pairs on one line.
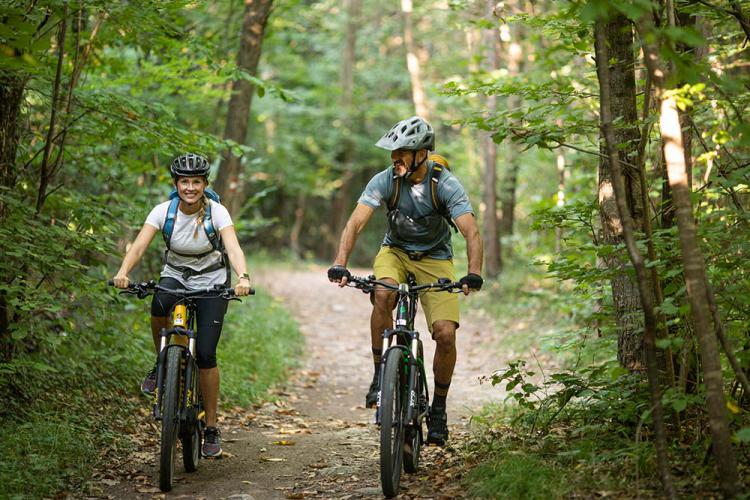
[[442, 160], [437, 171]]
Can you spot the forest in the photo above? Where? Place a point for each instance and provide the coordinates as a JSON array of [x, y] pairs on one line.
[[603, 146]]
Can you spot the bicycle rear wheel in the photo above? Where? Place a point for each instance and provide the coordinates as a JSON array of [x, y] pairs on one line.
[[191, 438], [392, 423], [170, 417]]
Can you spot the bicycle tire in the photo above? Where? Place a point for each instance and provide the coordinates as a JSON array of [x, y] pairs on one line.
[[170, 418], [191, 440], [391, 423], [414, 436]]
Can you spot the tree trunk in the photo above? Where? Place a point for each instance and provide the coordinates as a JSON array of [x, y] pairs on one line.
[[514, 55], [342, 198], [694, 269], [561, 173], [44, 172], [11, 96], [627, 302], [230, 182], [628, 233], [299, 217], [412, 63], [492, 248]]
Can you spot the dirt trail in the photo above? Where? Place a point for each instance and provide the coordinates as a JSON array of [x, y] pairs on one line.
[[318, 441]]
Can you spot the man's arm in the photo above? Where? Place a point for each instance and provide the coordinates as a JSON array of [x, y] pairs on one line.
[[356, 223], [467, 224]]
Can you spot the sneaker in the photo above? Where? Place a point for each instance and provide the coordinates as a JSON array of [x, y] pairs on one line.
[[148, 386], [211, 443], [437, 427], [371, 400]]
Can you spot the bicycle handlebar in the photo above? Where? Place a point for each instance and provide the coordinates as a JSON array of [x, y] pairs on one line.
[[150, 287], [368, 284]]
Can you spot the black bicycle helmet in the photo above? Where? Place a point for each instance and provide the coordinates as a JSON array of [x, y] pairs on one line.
[[189, 165]]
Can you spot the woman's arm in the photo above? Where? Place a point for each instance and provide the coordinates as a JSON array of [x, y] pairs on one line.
[[236, 259], [134, 254]]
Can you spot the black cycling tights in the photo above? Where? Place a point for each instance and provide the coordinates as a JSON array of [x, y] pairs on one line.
[[209, 320]]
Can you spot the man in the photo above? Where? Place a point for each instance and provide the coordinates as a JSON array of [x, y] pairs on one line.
[[418, 241]]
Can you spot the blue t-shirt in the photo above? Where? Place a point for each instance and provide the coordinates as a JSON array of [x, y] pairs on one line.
[[415, 202]]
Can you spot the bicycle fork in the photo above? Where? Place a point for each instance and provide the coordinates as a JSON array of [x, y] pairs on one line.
[[411, 356], [161, 365]]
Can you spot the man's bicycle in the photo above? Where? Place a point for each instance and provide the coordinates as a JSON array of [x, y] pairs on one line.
[[403, 401], [177, 399]]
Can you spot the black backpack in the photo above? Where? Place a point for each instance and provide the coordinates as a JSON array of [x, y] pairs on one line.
[[435, 174]]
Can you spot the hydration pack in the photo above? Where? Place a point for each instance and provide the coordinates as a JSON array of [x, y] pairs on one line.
[[438, 165]]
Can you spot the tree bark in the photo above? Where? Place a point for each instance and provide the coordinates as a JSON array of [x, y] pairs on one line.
[[412, 63], [491, 223], [628, 233], [230, 182], [694, 268], [11, 96], [627, 301]]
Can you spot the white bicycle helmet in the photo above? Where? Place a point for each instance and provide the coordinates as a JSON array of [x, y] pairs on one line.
[[412, 134]]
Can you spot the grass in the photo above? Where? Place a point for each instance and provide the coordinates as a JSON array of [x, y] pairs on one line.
[[61, 422], [261, 343], [569, 460]]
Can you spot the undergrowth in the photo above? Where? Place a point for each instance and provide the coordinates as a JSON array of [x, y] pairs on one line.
[[573, 422], [72, 405]]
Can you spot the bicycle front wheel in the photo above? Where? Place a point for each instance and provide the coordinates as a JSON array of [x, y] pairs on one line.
[[170, 417], [414, 431], [392, 423]]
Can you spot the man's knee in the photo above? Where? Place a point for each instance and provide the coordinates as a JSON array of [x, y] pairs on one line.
[[385, 300], [444, 333]]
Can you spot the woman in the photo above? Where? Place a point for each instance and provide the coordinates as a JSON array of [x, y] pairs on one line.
[[192, 261]]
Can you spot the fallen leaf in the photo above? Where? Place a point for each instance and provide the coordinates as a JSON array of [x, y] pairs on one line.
[[149, 490], [296, 496], [284, 442]]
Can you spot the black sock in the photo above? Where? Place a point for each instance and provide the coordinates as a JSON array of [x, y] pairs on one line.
[[438, 403], [441, 393], [376, 353]]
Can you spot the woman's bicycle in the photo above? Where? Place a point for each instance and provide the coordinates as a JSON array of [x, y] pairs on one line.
[[177, 399], [403, 401]]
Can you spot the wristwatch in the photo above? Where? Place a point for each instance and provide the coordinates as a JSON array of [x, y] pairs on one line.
[[245, 275]]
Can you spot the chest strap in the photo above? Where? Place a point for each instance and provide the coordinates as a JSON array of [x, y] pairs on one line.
[[189, 272]]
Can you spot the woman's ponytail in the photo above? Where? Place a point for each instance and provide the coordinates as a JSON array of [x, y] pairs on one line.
[[201, 215]]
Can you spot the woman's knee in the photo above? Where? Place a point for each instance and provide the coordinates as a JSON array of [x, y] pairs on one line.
[[206, 360]]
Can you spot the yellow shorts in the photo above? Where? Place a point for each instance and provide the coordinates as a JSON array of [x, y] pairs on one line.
[[394, 263]]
